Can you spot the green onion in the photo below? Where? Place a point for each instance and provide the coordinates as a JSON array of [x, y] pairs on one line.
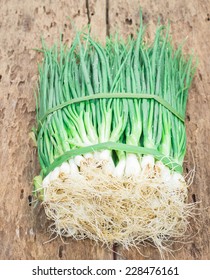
[[114, 195]]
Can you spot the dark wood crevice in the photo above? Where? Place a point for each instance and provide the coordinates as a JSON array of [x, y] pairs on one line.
[[107, 19], [88, 11]]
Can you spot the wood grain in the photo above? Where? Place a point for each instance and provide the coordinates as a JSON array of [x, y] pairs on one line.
[[23, 227]]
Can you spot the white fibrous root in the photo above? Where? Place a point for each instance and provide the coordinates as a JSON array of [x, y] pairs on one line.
[[138, 199]]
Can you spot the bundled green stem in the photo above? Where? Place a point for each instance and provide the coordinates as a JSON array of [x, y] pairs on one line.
[[88, 68]]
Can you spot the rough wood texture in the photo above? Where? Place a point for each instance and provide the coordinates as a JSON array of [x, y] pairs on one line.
[[23, 228]]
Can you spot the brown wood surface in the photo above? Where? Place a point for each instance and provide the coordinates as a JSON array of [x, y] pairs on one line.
[[23, 228]]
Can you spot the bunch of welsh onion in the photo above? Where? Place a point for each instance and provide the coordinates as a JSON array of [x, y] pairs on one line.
[[111, 138]]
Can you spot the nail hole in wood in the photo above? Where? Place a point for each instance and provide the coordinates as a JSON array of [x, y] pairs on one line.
[[200, 76], [128, 21], [21, 193], [30, 200], [193, 197]]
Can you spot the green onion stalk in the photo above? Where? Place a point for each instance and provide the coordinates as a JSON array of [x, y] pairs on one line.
[[111, 138]]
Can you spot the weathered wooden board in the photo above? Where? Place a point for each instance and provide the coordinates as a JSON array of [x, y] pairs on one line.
[[23, 228]]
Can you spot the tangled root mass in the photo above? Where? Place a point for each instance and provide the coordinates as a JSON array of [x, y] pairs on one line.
[[128, 210]]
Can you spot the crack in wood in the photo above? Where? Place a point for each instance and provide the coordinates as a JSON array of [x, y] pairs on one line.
[[88, 11], [60, 251], [114, 249], [107, 19]]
